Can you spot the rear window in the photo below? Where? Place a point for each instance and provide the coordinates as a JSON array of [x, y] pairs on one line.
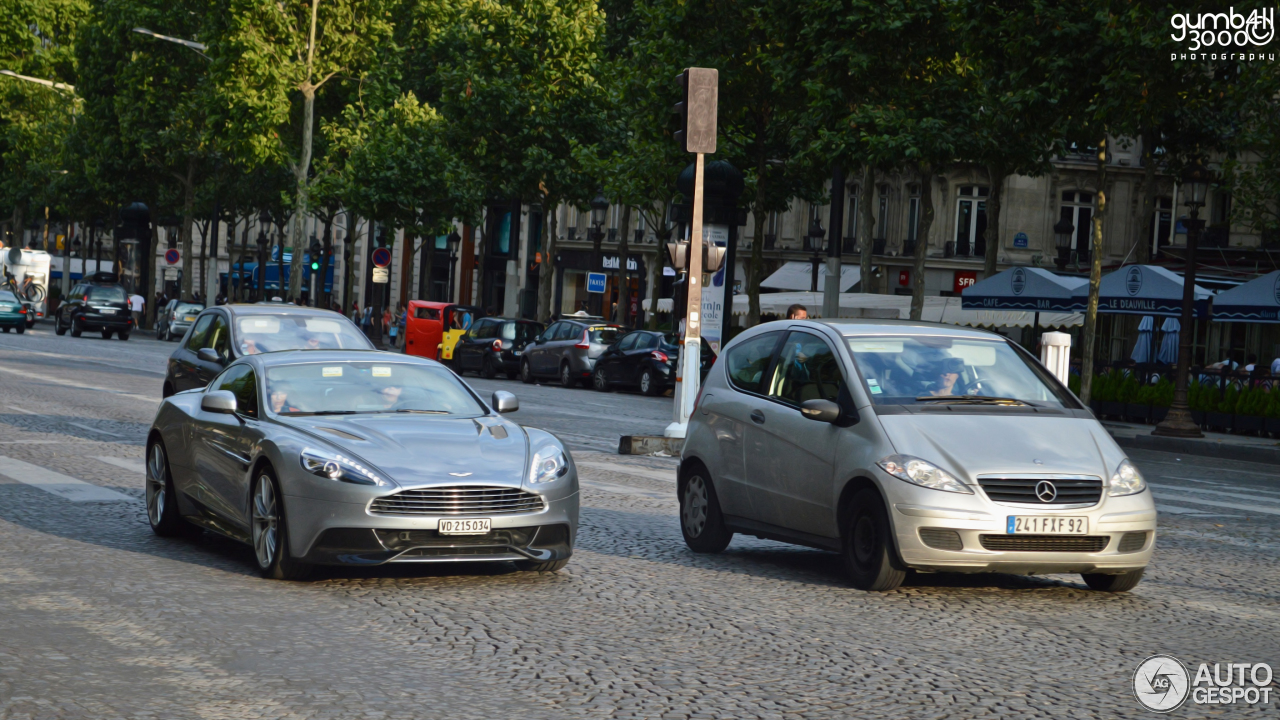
[[520, 332], [188, 309], [272, 333], [606, 335], [8, 296], [110, 294]]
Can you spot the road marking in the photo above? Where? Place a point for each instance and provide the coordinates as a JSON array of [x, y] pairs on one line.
[[625, 490], [1266, 510], [77, 358], [77, 386], [92, 428], [22, 410], [63, 486], [132, 464], [1269, 494], [649, 473], [1222, 493], [1185, 465], [1178, 510]]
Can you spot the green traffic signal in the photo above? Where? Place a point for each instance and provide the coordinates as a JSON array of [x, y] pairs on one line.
[[315, 265]]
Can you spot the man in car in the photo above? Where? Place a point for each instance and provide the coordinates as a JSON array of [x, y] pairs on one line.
[[249, 347], [945, 375], [311, 342]]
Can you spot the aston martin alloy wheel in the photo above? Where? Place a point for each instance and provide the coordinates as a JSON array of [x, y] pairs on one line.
[[270, 533], [162, 505]]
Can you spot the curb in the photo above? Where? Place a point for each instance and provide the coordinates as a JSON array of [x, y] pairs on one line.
[[1204, 448]]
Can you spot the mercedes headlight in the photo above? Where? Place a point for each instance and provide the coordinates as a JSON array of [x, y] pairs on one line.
[[1126, 480], [922, 473], [548, 465], [338, 467]]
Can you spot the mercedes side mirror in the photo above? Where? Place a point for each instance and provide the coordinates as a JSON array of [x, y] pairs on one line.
[[219, 401], [820, 410], [208, 355], [504, 402]]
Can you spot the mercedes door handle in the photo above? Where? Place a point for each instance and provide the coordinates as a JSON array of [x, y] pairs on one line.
[[757, 417]]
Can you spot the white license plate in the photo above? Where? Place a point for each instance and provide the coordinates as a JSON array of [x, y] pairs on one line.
[[1052, 525], [190, 318], [478, 526]]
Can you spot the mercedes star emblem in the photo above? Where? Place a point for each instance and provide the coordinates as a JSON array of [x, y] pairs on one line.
[[1046, 491], [469, 474]]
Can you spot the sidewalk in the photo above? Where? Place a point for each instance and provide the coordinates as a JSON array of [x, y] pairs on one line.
[[1218, 445]]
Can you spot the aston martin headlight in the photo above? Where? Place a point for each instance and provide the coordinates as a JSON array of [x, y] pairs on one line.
[[548, 464], [922, 473], [338, 467], [1126, 480]]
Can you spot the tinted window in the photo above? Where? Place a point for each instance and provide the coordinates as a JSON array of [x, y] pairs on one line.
[[270, 333], [483, 330], [629, 341], [606, 335], [520, 332], [424, 313], [195, 340], [567, 331], [243, 383], [807, 369], [185, 308], [648, 341], [107, 294], [746, 363]]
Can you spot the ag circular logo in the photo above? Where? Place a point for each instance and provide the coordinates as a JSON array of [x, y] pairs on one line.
[[1046, 491], [1133, 280], [1019, 281], [1161, 683]]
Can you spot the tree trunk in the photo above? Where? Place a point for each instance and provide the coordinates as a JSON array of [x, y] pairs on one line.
[[349, 262], [922, 241], [663, 236], [868, 222], [301, 171], [1095, 277], [996, 175], [188, 227], [621, 279], [547, 268], [205, 229], [755, 274], [429, 262], [19, 231], [1150, 188]]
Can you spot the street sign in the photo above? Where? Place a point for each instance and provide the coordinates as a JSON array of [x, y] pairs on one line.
[[964, 278], [172, 256], [381, 274], [1020, 240], [595, 282], [381, 258]]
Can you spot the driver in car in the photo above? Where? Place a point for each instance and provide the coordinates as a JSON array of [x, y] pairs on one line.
[[945, 374], [278, 396]]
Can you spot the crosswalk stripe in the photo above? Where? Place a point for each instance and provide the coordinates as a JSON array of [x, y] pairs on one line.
[[1193, 500], [1220, 493], [1168, 509], [63, 486], [629, 470], [133, 464], [1254, 493], [625, 490]]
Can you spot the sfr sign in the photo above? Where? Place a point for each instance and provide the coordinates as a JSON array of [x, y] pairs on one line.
[[964, 278]]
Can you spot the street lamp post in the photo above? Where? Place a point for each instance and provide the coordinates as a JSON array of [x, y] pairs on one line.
[[816, 233], [1178, 422], [1062, 235], [599, 207], [452, 241], [259, 286]]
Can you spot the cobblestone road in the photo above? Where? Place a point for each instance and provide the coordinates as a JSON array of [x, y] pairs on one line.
[[101, 619]]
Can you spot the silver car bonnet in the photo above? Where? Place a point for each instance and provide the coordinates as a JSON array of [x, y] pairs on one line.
[[418, 450], [979, 444]]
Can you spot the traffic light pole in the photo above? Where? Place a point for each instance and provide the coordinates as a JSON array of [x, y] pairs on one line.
[[688, 371]]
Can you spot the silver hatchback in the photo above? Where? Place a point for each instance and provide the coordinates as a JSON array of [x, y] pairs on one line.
[[906, 445]]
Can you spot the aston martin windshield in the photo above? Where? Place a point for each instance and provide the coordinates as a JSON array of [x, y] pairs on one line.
[[349, 388], [907, 370], [272, 333]]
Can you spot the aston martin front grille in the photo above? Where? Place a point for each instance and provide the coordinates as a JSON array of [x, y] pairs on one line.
[[458, 500]]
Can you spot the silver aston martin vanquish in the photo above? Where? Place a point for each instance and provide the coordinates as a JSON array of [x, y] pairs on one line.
[[359, 458]]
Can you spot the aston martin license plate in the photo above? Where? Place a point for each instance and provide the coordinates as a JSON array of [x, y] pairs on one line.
[[478, 526], [1053, 525]]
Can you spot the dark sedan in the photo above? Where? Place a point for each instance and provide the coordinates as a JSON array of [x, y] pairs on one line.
[[175, 318], [494, 345], [223, 334], [95, 305], [644, 360]]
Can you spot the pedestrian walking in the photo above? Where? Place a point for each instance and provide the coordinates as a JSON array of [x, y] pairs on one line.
[[137, 304], [393, 325], [402, 322]]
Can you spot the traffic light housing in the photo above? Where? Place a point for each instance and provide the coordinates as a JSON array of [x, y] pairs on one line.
[[699, 99], [315, 250]]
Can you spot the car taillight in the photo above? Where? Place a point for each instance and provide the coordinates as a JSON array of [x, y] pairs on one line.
[[585, 342], [660, 356], [86, 298], [497, 346], [23, 311]]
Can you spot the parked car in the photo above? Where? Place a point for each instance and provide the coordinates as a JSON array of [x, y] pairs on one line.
[[343, 458], [98, 304], [13, 313], [175, 317], [644, 360], [568, 349], [494, 345], [908, 445], [225, 333], [433, 328]]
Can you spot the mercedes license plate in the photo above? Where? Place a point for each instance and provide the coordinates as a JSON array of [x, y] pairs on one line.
[[1054, 525], [478, 526], [189, 318]]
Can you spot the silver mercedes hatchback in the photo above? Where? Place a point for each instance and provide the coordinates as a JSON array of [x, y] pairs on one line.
[[909, 446]]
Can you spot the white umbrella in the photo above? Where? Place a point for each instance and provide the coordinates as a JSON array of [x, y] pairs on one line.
[[1169, 343], [1142, 349]]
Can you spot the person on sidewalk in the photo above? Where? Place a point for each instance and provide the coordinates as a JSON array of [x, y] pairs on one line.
[[797, 312], [136, 305]]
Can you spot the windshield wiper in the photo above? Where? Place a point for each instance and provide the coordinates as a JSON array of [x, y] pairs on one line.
[[422, 412], [971, 400], [322, 412]]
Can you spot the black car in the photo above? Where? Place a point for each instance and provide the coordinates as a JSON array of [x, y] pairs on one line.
[[494, 344], [225, 333], [97, 304], [645, 360]]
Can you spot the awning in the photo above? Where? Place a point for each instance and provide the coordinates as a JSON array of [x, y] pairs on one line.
[[1144, 290], [1026, 288], [272, 280], [799, 276], [1255, 301], [936, 309]]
